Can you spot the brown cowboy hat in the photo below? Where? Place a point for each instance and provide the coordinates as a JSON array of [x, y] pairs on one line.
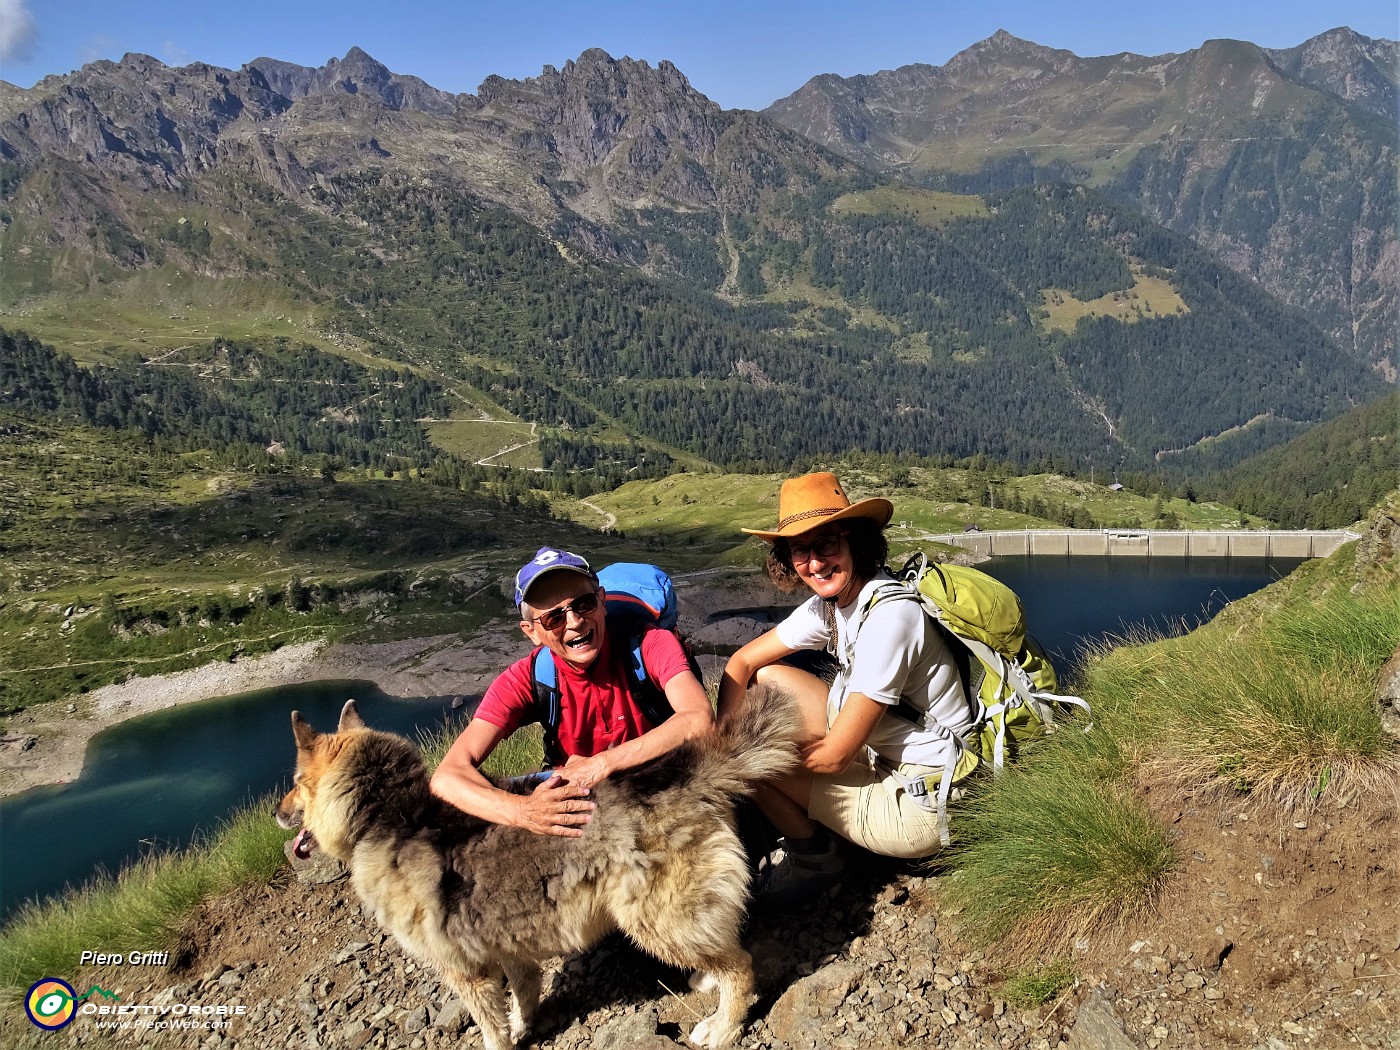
[[812, 500]]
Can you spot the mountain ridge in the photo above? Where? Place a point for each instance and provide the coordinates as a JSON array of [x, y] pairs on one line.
[[355, 72], [1282, 161], [509, 244]]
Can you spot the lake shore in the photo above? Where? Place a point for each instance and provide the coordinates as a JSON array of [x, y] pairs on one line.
[[48, 744]]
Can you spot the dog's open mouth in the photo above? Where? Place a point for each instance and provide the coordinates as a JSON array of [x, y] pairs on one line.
[[303, 844]]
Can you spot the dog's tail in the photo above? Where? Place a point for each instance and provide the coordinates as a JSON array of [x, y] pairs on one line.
[[753, 743]]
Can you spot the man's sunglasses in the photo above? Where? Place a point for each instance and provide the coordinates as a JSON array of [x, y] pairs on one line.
[[580, 606], [826, 546]]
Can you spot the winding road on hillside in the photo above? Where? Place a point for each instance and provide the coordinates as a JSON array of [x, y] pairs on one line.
[[609, 518]]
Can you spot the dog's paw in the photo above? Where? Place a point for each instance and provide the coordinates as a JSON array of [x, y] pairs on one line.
[[519, 1024], [703, 981], [712, 1035]]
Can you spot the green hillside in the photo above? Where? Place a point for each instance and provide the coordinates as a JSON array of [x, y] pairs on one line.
[[699, 516], [231, 499], [751, 304], [1284, 168], [1327, 478]]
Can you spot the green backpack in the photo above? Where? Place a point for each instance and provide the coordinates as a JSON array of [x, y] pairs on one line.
[[1008, 679]]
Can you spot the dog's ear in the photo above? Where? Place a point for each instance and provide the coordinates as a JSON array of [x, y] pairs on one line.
[[301, 729], [350, 717]]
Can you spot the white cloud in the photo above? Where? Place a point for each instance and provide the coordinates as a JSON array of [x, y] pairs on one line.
[[17, 31], [174, 55]]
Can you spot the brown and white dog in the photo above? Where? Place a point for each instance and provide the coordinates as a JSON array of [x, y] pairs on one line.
[[476, 901]]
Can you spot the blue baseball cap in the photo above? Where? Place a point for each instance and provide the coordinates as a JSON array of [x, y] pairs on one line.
[[547, 560]]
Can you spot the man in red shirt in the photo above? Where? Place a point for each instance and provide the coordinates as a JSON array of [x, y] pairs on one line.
[[601, 728]]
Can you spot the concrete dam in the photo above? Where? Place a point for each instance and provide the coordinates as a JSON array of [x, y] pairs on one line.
[[1147, 543]]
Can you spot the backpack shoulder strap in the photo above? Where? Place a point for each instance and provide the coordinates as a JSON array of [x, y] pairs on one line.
[[544, 687], [958, 646], [889, 589], [907, 587], [649, 697]]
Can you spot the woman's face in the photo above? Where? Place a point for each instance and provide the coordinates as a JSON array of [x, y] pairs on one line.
[[822, 559]]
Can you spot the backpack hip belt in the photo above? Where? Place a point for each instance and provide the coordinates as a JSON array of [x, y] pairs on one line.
[[931, 791]]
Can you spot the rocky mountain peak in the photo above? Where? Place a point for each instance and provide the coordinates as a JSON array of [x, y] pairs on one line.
[[1353, 67], [1002, 40], [138, 117], [1002, 51], [598, 109], [597, 71], [357, 73]]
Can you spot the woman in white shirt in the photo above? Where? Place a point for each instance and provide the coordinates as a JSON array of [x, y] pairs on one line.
[[884, 727]]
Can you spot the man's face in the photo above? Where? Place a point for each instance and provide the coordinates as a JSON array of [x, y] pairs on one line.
[[577, 636]]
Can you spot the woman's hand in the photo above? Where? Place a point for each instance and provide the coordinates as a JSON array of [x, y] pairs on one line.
[[834, 752]]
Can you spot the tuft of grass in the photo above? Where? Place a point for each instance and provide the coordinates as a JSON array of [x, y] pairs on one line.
[[521, 752], [1039, 984], [1286, 712], [1276, 700], [1057, 845], [144, 907]]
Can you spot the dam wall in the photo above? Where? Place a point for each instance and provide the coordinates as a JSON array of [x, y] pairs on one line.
[[1147, 543]]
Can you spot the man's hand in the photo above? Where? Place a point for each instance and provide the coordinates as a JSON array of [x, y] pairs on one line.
[[557, 807], [587, 773]]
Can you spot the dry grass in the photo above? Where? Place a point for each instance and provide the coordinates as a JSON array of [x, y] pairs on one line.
[[1148, 297], [1287, 713], [1057, 845], [144, 907]]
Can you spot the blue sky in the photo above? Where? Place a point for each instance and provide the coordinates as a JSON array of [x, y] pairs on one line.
[[740, 54]]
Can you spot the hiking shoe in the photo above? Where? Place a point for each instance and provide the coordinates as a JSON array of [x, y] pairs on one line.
[[785, 876]]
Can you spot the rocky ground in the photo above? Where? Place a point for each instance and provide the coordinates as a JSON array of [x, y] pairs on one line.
[[1280, 931]]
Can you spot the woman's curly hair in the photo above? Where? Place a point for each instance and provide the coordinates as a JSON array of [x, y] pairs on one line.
[[866, 540]]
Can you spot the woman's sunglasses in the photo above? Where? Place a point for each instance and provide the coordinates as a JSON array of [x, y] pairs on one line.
[[825, 546], [580, 606]]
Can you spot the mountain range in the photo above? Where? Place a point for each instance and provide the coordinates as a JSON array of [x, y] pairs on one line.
[[603, 250], [1283, 162]]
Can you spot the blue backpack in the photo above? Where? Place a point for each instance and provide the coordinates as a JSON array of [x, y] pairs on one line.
[[639, 597]]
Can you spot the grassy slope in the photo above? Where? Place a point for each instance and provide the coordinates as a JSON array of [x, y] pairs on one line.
[[1148, 297], [1275, 699], [148, 311], [932, 208], [98, 533], [702, 514], [118, 562]]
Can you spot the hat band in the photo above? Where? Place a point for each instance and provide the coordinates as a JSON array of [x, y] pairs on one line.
[[822, 512]]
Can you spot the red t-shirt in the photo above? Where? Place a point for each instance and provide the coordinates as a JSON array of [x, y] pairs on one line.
[[596, 710]]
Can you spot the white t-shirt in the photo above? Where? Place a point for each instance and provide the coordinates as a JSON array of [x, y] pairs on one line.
[[895, 654]]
